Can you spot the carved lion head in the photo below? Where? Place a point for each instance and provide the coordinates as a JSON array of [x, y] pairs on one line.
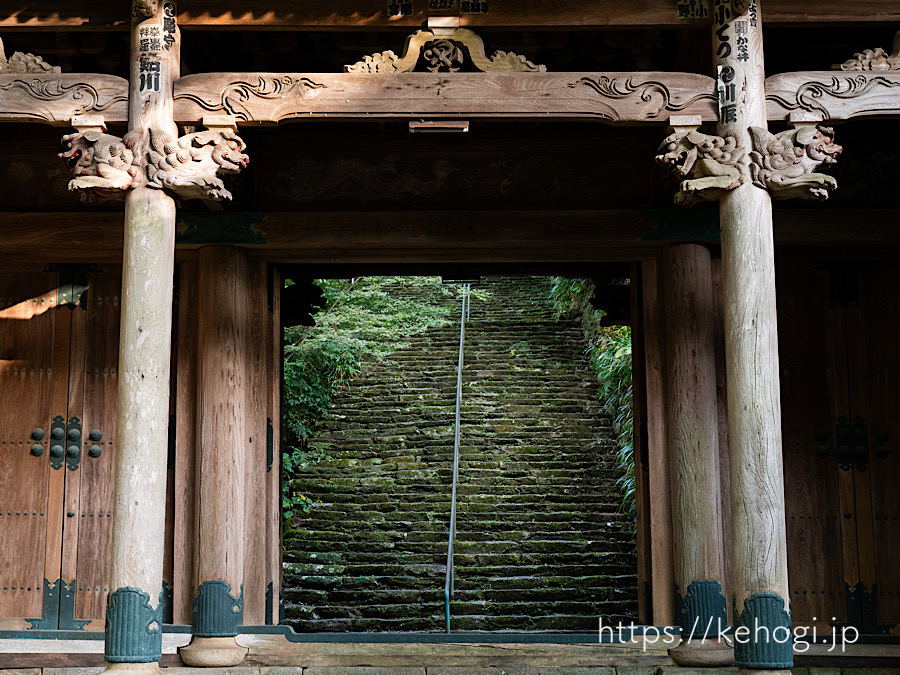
[[678, 153], [818, 141]]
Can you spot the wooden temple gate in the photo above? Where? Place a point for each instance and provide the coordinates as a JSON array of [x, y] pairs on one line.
[[193, 527]]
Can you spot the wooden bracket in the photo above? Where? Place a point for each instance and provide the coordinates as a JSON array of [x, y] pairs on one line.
[[83, 123], [220, 123]]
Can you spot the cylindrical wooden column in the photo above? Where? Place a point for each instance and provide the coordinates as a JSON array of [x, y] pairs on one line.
[[694, 455], [221, 411], [134, 630], [762, 638]]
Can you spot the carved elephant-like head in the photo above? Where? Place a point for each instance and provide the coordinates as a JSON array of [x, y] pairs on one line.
[[228, 152]]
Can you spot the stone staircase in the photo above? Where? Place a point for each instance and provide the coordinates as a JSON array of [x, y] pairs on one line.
[[540, 543]]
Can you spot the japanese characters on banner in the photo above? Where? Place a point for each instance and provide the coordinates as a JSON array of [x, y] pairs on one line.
[[693, 9], [405, 7], [732, 41], [399, 7], [153, 40], [150, 63]]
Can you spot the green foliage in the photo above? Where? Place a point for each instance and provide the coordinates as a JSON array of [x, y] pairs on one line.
[[362, 321], [609, 351]]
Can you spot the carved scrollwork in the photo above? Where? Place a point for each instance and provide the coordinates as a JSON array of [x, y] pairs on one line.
[[380, 62], [20, 63], [655, 95], [785, 163], [83, 97], [873, 59], [444, 52], [190, 165], [102, 165], [236, 94], [826, 97], [706, 165]]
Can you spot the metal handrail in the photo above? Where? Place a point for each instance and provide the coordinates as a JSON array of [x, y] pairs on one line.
[[449, 581]]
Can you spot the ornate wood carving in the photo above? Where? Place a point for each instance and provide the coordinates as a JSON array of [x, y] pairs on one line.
[[707, 165], [832, 96], [56, 99], [190, 165], [444, 51], [20, 63], [786, 163], [873, 59], [102, 165], [237, 97], [270, 98], [653, 96]]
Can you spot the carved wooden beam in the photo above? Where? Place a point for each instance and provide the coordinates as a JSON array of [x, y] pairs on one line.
[[270, 98], [833, 96], [56, 98], [374, 14]]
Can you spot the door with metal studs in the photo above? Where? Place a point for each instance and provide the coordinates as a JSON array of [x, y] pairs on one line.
[[58, 374]]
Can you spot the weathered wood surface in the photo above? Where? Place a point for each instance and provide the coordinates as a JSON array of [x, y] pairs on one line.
[[142, 424], [751, 337], [222, 405], [32, 392], [274, 369], [833, 95], [692, 417], [56, 98], [655, 366], [269, 98], [186, 552], [372, 14], [256, 373], [819, 509]]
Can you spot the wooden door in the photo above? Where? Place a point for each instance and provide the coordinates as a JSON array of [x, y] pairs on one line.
[[874, 368], [34, 348], [87, 525], [821, 527]]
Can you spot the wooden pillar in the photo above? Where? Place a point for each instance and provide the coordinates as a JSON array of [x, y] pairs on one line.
[[222, 349], [762, 638], [694, 456], [134, 621], [657, 451]]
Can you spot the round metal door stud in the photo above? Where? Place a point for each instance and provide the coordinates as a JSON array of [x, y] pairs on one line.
[[37, 434], [57, 434], [94, 451], [73, 452], [37, 450], [74, 435], [56, 451], [96, 435]]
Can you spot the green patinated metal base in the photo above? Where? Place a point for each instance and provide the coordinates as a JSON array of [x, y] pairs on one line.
[[270, 603], [702, 612], [59, 608], [770, 644], [133, 627], [217, 613]]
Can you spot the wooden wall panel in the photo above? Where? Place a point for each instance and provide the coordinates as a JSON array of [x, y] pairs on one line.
[[275, 365]]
